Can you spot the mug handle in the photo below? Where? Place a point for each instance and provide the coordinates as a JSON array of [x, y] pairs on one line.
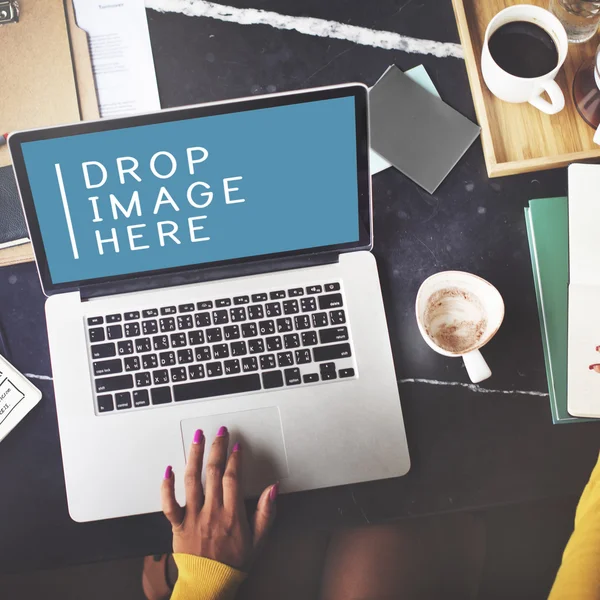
[[557, 98], [476, 366]]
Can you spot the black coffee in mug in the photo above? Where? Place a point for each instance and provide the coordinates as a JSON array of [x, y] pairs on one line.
[[523, 49]]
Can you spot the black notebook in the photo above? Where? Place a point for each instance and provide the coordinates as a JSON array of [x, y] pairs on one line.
[[12, 222]]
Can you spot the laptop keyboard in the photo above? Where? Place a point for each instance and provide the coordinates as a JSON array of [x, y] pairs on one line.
[[201, 350]]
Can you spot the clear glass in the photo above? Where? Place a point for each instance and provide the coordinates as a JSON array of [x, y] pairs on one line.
[[586, 90], [579, 17]]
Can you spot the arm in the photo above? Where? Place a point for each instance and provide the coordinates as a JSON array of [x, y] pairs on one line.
[[213, 544], [579, 574]]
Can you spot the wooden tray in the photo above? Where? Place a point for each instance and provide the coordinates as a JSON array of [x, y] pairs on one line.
[[518, 138]]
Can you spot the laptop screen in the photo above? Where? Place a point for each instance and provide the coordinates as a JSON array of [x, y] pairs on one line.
[[166, 195]]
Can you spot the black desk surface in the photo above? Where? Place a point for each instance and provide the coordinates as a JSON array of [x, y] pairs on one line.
[[468, 448]]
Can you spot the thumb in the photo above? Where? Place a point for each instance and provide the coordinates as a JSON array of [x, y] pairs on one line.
[[264, 515]]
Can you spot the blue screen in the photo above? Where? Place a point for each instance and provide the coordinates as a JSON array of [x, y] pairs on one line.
[[196, 191]]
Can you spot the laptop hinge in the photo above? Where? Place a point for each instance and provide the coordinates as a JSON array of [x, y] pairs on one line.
[[231, 271]]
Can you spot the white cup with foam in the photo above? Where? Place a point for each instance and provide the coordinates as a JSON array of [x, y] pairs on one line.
[[457, 314]]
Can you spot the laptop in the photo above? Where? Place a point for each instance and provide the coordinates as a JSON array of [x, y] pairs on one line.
[[206, 266]]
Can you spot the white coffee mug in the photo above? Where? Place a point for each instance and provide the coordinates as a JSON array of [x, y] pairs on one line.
[[511, 88], [457, 314]]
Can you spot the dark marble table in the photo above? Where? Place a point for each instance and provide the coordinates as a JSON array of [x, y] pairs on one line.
[[470, 448]]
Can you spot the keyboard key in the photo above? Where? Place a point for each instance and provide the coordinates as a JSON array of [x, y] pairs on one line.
[[167, 359], [150, 312], [178, 374], [108, 367], [274, 343], [143, 345], [256, 346], [125, 348], [97, 334], [149, 361], [332, 287], [123, 400], [220, 351], [284, 325], [178, 340], [185, 322], [328, 375], [241, 300], [295, 292], [202, 319], [160, 342], [346, 373], [320, 320], [232, 367], [256, 312], [202, 353], [309, 338], [238, 349], [214, 369], [161, 376], [303, 356], [104, 350], [161, 395], [204, 305], [237, 314], [273, 309], [111, 384], [336, 334], [332, 352], [259, 298], [196, 338], [292, 377], [223, 302], [167, 324], [330, 301], [267, 361], [132, 316], [141, 398], [231, 332], [168, 310], [132, 329], [314, 289], [310, 378], [185, 308], [113, 318], [220, 317], [185, 356], [291, 307], [132, 363], [272, 379], [214, 335], [196, 371], [114, 332], [95, 321], [291, 341], [337, 317], [277, 295], [302, 322], [105, 403], [328, 366], [149, 327], [266, 327], [285, 359], [249, 364], [143, 379], [308, 304], [218, 387]]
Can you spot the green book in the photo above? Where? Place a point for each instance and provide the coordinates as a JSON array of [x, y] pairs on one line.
[[548, 233]]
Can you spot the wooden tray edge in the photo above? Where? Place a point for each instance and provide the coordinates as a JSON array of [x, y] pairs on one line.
[[540, 164]]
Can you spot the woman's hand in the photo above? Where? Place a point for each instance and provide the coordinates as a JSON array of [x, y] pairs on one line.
[[214, 524]]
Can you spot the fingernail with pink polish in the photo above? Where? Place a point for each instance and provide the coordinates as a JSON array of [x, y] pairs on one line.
[[222, 431], [273, 493], [198, 436], [236, 447], [168, 472]]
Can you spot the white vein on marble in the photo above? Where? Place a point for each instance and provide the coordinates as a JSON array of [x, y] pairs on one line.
[[388, 40]]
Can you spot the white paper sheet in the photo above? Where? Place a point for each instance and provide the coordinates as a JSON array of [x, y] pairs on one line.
[[121, 55]]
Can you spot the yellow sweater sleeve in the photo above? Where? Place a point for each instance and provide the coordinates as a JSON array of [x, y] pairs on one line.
[[579, 574], [205, 579]]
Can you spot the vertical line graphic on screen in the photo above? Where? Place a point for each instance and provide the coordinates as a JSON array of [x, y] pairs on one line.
[[65, 204]]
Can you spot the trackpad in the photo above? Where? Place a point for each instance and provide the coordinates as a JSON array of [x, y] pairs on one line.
[[260, 433]]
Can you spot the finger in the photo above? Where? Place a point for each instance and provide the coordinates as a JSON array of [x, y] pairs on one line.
[[170, 506], [233, 497], [265, 515], [215, 467], [194, 494]]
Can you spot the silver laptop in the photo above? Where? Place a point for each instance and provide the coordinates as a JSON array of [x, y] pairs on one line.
[[208, 266]]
